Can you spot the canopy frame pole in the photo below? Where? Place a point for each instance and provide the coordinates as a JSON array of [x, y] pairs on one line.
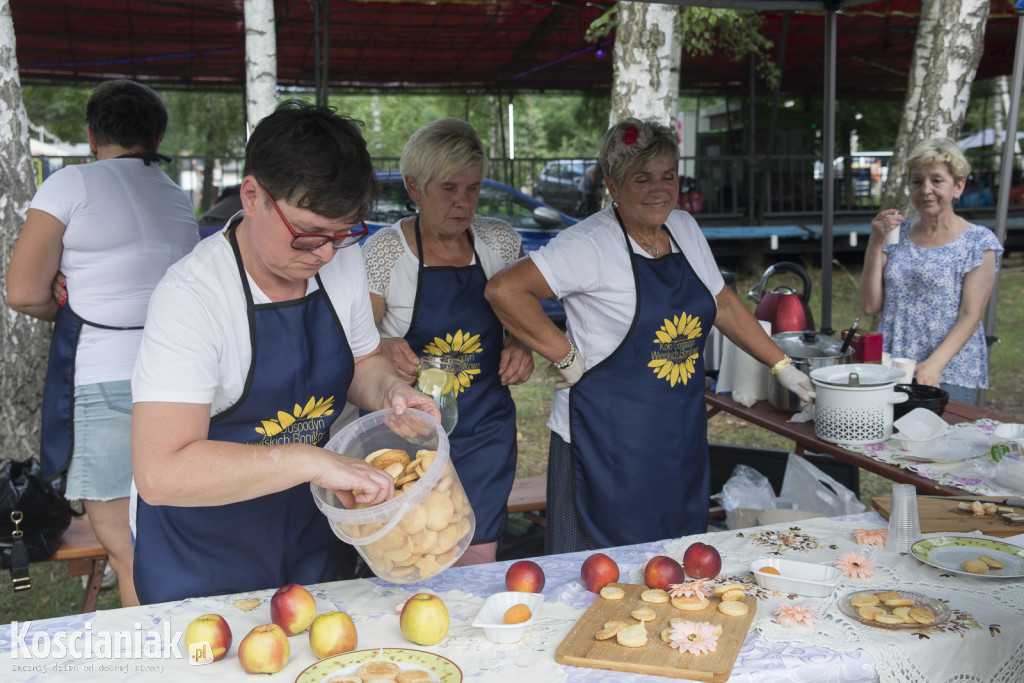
[[321, 49], [1006, 170], [828, 154]]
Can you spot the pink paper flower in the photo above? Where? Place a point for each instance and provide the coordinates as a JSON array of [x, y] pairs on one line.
[[679, 590], [855, 566], [870, 536], [694, 637], [788, 616]]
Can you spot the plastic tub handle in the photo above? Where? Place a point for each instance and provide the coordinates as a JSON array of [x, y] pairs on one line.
[[898, 397]]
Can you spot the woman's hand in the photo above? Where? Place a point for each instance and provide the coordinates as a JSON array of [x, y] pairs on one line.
[[885, 222], [59, 289], [516, 363], [927, 372], [354, 480], [403, 359]]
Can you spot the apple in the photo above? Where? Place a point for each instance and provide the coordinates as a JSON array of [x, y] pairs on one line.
[[264, 650], [662, 571], [332, 633], [212, 629], [292, 608], [424, 619], [702, 561], [598, 571], [525, 576]]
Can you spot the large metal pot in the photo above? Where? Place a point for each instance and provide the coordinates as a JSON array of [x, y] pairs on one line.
[[809, 351]]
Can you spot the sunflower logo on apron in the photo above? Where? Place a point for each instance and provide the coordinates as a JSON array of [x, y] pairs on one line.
[[303, 424], [676, 349], [462, 347]]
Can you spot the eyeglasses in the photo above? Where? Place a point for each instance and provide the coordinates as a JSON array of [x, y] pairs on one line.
[[307, 241]]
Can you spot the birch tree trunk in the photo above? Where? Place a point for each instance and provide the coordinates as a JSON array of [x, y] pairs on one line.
[[645, 80], [24, 340], [260, 61], [1001, 98], [950, 40]]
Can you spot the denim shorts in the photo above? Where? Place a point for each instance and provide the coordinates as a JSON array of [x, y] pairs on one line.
[[101, 462]]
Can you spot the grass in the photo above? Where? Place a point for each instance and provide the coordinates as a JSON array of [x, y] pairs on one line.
[[55, 593]]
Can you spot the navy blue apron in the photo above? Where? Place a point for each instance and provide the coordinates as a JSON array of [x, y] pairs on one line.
[[300, 358], [58, 430], [451, 318], [638, 423]]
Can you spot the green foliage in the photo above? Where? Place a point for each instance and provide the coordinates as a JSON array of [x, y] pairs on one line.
[[60, 110]]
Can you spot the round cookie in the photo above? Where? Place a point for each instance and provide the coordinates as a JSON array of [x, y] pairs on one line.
[[655, 595], [864, 600], [412, 676], [991, 562], [691, 603], [975, 566], [612, 593], [632, 636], [733, 608], [377, 669]]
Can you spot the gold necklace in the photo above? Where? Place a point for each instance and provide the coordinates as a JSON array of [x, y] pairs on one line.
[[652, 249]]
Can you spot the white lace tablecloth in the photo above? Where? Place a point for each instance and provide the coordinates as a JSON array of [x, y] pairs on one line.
[[985, 639], [970, 475]]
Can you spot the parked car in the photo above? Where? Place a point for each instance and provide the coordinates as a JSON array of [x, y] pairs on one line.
[[560, 184], [535, 221]]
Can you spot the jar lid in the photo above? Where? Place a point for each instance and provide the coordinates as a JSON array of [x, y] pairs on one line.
[[862, 374], [808, 344]]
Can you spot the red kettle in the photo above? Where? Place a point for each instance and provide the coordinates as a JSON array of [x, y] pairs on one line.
[[785, 308]]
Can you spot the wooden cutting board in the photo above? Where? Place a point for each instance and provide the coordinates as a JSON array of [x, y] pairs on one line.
[[581, 648], [938, 515]]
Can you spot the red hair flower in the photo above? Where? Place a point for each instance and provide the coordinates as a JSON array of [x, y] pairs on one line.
[[630, 136]]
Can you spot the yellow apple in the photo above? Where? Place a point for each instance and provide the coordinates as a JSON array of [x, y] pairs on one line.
[[332, 633], [212, 629], [292, 608], [424, 619], [264, 650]]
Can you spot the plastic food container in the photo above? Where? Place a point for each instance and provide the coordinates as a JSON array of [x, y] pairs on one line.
[[491, 617], [800, 578], [423, 529]]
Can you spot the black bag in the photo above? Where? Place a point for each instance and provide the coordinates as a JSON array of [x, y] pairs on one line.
[[33, 515]]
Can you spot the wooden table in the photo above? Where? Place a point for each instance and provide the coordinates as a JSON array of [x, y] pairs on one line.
[[764, 415]]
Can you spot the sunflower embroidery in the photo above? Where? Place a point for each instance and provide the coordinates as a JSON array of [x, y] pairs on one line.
[[677, 352], [312, 409], [457, 346]]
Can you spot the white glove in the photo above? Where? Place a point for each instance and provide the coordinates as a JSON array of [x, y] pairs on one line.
[[566, 377], [797, 382]]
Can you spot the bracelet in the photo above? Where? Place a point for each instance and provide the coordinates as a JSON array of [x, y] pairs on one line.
[[777, 368], [569, 359]]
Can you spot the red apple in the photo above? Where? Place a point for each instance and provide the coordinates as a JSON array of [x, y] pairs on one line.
[[662, 571], [598, 571], [211, 629], [265, 650], [702, 561], [525, 576], [332, 633], [292, 608]]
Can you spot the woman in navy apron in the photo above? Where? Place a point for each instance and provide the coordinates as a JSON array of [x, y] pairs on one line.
[[267, 327], [629, 455], [427, 278], [96, 240]]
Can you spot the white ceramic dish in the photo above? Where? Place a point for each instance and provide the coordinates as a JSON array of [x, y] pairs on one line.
[[799, 578], [491, 617]]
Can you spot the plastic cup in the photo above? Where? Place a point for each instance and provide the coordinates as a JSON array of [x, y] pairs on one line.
[[893, 236], [907, 366], [886, 359], [904, 522]]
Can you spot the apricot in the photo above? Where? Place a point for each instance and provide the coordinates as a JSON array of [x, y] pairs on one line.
[[517, 614]]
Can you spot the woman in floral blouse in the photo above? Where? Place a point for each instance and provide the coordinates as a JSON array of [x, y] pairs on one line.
[[933, 284]]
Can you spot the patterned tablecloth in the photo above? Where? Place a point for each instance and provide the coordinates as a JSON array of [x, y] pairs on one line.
[[983, 641], [975, 475]]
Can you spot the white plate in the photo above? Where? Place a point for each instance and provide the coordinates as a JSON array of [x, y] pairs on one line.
[[945, 451], [441, 670], [949, 553]]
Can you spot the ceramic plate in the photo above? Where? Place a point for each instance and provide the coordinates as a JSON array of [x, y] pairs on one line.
[[944, 451], [441, 670], [949, 553], [937, 607]]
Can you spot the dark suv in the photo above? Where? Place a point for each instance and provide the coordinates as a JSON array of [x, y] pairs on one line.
[[560, 184]]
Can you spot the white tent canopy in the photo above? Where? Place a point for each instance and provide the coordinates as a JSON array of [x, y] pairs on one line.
[[985, 138]]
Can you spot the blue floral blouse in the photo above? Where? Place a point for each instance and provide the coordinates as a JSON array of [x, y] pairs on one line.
[[922, 296]]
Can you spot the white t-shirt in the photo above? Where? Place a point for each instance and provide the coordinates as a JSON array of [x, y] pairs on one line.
[[588, 267], [125, 224], [393, 268], [196, 346]]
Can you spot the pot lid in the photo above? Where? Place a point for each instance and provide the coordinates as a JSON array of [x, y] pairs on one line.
[[869, 375], [808, 344]]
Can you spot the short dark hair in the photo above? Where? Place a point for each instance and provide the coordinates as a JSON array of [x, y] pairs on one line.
[[315, 159], [126, 113]]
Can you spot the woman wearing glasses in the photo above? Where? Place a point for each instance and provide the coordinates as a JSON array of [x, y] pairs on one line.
[[253, 343], [427, 275], [96, 240], [629, 455]]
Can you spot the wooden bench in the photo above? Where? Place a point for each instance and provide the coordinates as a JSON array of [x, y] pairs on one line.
[[529, 496], [85, 557]]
